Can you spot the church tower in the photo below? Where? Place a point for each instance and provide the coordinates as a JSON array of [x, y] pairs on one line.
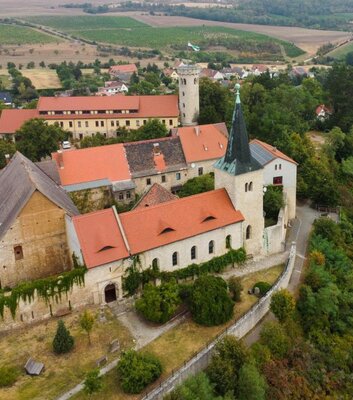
[[189, 104], [242, 176]]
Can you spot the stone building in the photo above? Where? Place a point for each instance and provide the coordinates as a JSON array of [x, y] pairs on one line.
[[33, 240], [189, 102]]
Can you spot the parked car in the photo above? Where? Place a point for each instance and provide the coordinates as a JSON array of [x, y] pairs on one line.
[[66, 144]]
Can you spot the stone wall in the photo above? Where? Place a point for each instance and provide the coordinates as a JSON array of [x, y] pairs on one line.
[[275, 236], [241, 327]]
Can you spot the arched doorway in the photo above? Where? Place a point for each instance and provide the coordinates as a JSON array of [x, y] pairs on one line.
[[110, 293]]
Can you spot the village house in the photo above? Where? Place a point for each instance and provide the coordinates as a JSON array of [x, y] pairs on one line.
[[211, 74], [122, 72], [112, 87]]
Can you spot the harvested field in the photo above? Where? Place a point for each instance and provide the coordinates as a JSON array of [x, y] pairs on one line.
[[43, 78]]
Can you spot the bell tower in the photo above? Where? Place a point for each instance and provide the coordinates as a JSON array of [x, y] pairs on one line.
[[189, 103], [242, 176]]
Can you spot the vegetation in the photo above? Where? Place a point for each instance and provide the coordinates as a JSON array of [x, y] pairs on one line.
[[199, 184], [159, 303], [235, 288], [282, 305], [93, 382], [137, 370], [63, 342], [273, 202], [86, 323], [6, 147], [251, 384], [17, 35], [263, 287], [8, 375]]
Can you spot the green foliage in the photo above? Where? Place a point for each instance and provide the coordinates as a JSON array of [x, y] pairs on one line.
[[8, 375], [251, 384], [210, 303], [63, 342], [264, 287], [6, 147], [199, 184], [273, 201], [229, 356], [137, 370], [17, 35], [93, 382], [235, 288], [347, 166], [159, 303], [86, 323], [282, 305], [260, 354], [36, 139], [154, 128], [274, 336]]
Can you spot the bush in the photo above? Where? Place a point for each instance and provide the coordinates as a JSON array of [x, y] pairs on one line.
[[264, 287], [210, 303], [8, 376], [282, 305], [63, 342], [159, 303], [235, 288], [274, 336], [251, 384], [199, 184], [136, 371]]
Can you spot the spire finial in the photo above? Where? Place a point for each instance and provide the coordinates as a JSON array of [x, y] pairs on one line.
[[237, 93]]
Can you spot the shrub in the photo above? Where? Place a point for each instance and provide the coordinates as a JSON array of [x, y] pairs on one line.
[[282, 305], [86, 323], [210, 303], [63, 342], [136, 371], [251, 384], [274, 336], [235, 288], [8, 376], [264, 287], [93, 382], [159, 303]]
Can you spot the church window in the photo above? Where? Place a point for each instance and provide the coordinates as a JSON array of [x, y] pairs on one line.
[[155, 263], [18, 252], [175, 258], [248, 232], [246, 187], [193, 252], [275, 167], [211, 247], [228, 242], [250, 187], [278, 180], [279, 166]]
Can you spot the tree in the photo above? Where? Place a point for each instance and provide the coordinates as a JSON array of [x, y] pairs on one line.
[[199, 184], [6, 147], [159, 303], [273, 201], [282, 305], [36, 140], [251, 384], [63, 342], [86, 323], [93, 382], [136, 371], [235, 288], [210, 303], [273, 336], [153, 128], [229, 356]]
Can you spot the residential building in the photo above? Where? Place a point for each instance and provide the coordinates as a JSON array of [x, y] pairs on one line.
[[123, 72], [112, 88]]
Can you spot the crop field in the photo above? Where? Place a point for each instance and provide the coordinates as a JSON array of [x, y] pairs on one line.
[[17, 35], [43, 78], [342, 51], [126, 31]]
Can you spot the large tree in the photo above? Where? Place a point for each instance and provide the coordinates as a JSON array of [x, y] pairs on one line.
[[6, 147], [36, 140]]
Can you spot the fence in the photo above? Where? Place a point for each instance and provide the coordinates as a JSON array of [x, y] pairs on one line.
[[240, 328]]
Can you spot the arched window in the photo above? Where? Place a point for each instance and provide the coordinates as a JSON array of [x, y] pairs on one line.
[[248, 232], [246, 187], [228, 242], [155, 263], [175, 258], [193, 252], [211, 247], [250, 187]]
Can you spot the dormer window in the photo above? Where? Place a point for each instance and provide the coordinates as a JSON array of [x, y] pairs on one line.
[[208, 218], [166, 230], [105, 248]]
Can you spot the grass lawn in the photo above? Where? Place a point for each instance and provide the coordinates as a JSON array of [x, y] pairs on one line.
[[179, 344], [342, 51], [61, 372], [42, 78], [17, 35]]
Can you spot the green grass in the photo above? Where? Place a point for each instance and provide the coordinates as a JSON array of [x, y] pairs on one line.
[[13, 34], [342, 51], [4, 79], [126, 31]]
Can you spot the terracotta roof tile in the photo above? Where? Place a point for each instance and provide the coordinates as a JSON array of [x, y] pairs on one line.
[[12, 120], [127, 68], [155, 195]]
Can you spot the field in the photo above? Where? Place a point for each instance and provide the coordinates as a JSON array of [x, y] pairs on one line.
[[42, 78], [17, 35], [129, 32], [4, 79], [342, 51]]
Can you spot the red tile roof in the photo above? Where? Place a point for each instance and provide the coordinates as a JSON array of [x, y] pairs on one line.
[[155, 195], [95, 163], [12, 120], [127, 68], [185, 217], [203, 142], [273, 150], [100, 238]]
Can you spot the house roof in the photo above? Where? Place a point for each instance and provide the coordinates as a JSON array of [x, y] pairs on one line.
[[127, 68], [50, 169], [156, 194], [150, 227], [92, 164], [12, 120], [18, 181], [6, 97], [154, 156], [264, 152], [203, 142], [322, 108], [100, 238], [209, 73]]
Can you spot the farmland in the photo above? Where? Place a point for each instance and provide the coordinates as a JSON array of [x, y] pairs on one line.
[[42, 78], [342, 51], [126, 31], [17, 35]]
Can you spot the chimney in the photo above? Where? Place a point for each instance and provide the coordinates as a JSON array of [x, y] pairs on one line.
[[60, 159], [7, 158], [197, 130], [156, 149]]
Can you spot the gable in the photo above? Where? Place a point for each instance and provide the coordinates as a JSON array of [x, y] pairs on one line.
[[37, 203]]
